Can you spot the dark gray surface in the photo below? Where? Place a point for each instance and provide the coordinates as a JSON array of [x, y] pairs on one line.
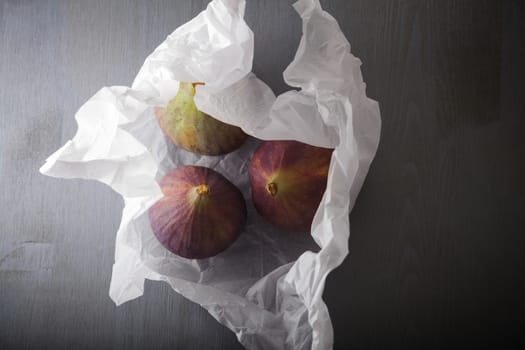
[[438, 232]]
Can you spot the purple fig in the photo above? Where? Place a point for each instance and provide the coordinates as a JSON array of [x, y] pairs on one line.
[[288, 179], [201, 213]]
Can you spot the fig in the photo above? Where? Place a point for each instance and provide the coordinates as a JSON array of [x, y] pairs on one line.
[[288, 179], [195, 131], [201, 213]]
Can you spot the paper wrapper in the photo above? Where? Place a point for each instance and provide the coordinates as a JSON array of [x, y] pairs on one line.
[[268, 286]]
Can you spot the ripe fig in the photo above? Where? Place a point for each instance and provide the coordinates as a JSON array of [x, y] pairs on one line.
[[195, 131], [288, 179], [201, 213]]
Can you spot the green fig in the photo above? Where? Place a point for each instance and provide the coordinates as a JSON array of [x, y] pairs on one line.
[[195, 131]]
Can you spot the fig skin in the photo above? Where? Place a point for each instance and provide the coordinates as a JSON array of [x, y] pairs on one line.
[[201, 213], [195, 131], [288, 179]]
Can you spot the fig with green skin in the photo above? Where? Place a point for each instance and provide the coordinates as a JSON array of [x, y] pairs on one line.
[[288, 179], [195, 131], [200, 215]]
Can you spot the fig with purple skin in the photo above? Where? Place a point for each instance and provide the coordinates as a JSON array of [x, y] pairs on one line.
[[201, 213], [288, 179], [195, 131]]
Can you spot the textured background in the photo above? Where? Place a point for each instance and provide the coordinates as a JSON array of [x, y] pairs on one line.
[[438, 231]]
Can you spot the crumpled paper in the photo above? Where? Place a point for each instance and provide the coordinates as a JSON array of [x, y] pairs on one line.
[[268, 286]]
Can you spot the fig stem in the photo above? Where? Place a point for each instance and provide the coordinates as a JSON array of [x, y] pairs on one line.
[[272, 188], [203, 190], [197, 83]]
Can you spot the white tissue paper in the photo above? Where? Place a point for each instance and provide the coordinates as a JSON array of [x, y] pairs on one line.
[[268, 286]]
